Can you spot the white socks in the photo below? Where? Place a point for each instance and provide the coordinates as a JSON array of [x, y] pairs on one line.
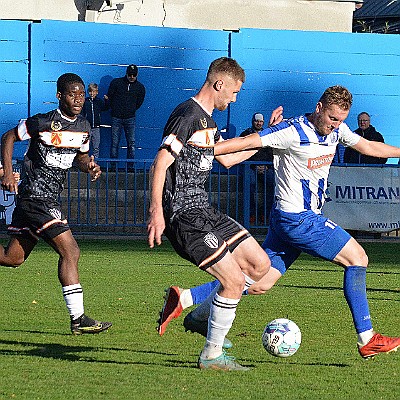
[[364, 337], [222, 315], [73, 296], [186, 298]]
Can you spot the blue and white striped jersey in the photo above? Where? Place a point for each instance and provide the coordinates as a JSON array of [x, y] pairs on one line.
[[302, 159]]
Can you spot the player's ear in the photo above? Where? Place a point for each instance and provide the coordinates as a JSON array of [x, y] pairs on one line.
[[218, 85], [58, 95], [319, 107]]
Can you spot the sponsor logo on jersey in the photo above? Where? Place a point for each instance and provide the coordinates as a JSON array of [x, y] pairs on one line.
[[56, 138], [211, 240], [318, 162]]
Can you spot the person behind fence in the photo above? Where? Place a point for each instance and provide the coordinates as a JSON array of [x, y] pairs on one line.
[[367, 131], [58, 139], [262, 177], [198, 232], [304, 148], [125, 96], [91, 110]]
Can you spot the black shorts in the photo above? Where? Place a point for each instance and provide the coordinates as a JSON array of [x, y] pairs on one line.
[[33, 218], [203, 236]]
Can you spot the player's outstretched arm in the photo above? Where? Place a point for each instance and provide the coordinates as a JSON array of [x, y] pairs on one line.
[[376, 149], [250, 142]]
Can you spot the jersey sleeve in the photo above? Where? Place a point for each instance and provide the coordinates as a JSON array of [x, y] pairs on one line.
[[27, 128], [347, 136], [176, 134], [279, 136]]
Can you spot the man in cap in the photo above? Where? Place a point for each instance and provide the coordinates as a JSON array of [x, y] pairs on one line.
[[125, 96], [262, 177]]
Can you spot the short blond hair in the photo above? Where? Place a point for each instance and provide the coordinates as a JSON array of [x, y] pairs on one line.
[[338, 95], [227, 66]]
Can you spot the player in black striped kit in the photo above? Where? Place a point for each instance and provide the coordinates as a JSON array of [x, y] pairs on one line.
[[179, 205], [57, 139]]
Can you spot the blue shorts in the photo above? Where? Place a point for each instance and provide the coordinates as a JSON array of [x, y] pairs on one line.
[[292, 233]]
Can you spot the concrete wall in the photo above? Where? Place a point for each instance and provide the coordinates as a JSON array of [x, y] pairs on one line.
[[325, 15]]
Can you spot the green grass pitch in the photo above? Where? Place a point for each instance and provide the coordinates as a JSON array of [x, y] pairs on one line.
[[123, 282]]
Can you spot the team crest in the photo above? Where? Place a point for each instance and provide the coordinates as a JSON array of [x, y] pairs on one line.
[[56, 126], [56, 138], [203, 122], [211, 240]]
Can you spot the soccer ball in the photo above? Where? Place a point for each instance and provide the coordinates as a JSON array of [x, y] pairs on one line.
[[281, 337]]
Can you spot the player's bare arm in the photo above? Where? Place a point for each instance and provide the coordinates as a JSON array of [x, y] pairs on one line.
[[376, 149], [8, 181], [250, 142], [156, 222], [87, 164]]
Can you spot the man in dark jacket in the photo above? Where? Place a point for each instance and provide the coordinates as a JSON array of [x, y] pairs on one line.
[[125, 96], [367, 131]]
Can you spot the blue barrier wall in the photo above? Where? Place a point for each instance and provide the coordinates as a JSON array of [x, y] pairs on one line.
[[291, 68]]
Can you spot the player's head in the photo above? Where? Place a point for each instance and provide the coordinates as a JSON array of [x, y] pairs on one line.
[[226, 77], [70, 94], [332, 109], [257, 121]]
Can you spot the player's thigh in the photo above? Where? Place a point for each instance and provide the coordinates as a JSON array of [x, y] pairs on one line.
[[352, 254], [18, 249]]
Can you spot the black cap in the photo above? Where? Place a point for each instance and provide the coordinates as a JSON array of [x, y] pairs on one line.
[[132, 70]]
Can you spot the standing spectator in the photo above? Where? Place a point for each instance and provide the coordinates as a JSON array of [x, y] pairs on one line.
[[92, 112], [125, 96], [262, 177], [367, 131]]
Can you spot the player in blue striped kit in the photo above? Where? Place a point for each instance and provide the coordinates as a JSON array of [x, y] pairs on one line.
[[304, 148]]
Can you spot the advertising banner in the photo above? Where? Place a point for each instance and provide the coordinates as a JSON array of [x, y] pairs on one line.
[[364, 198]]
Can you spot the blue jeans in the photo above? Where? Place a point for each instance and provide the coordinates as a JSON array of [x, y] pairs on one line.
[[128, 124], [95, 141]]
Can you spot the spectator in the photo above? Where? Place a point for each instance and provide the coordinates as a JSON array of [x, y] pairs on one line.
[[91, 110], [125, 96], [262, 177], [367, 131]]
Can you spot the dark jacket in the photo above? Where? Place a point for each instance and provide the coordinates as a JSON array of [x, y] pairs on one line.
[[125, 97], [264, 154], [354, 157], [92, 110]]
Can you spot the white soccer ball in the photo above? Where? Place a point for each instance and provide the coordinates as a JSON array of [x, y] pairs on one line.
[[281, 337]]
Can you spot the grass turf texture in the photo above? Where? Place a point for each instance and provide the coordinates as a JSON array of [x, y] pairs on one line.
[[124, 281]]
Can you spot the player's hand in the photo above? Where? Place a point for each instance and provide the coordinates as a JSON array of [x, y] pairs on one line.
[[9, 182], [93, 169], [276, 116], [155, 227]]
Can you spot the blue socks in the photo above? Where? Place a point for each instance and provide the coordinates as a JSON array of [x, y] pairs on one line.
[[200, 293], [355, 292]]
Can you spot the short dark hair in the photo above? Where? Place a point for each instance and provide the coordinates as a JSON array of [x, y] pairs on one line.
[[65, 79], [338, 95], [228, 66]]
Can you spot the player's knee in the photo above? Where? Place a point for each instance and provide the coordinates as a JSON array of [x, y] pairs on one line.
[[14, 262]]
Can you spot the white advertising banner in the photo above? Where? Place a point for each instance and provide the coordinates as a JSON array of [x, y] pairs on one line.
[[364, 198]]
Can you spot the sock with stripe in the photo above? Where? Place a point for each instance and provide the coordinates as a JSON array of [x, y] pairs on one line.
[[73, 296]]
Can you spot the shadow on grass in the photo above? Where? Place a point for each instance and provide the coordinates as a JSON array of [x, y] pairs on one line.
[[58, 351]]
